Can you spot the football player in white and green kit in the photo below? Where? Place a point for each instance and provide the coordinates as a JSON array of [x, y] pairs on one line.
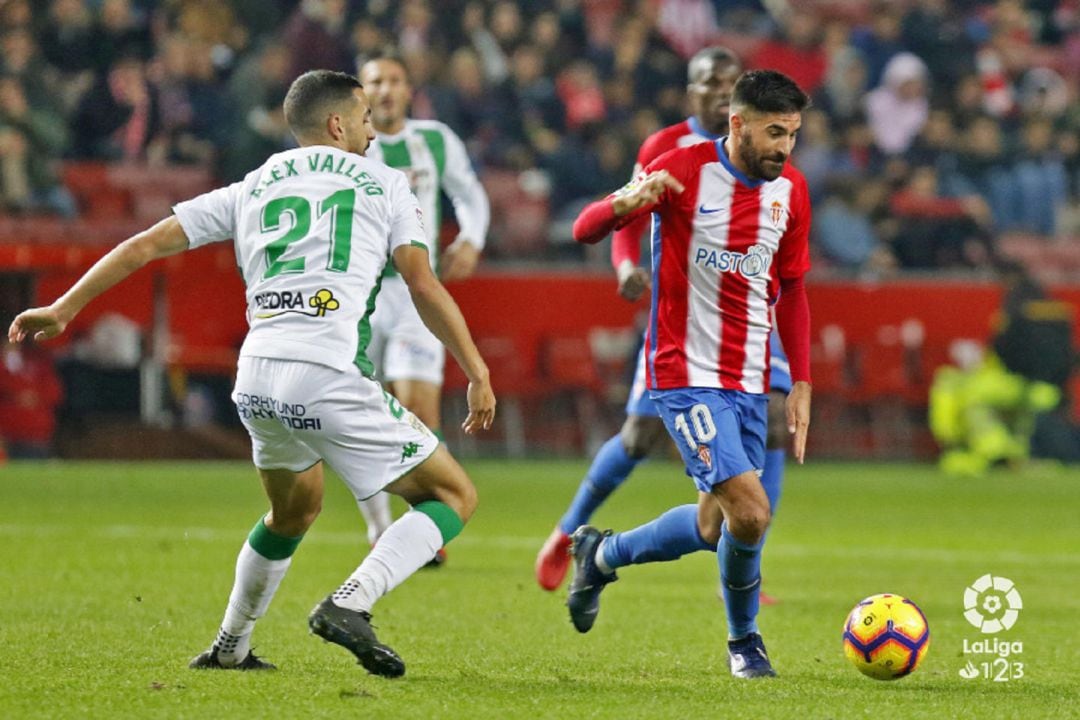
[[312, 230], [408, 357]]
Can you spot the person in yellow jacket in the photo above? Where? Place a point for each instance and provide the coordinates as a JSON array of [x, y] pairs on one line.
[[985, 415]]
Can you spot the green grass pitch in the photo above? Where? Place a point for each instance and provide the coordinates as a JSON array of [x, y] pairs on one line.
[[114, 575]]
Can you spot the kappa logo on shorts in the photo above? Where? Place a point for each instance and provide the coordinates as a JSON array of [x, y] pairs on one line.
[[408, 450], [287, 301]]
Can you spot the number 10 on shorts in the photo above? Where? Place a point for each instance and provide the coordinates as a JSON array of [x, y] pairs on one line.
[[700, 428]]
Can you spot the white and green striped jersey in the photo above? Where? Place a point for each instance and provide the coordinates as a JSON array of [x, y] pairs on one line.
[[312, 229], [434, 159]]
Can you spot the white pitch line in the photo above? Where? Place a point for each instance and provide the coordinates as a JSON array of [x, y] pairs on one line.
[[526, 542]]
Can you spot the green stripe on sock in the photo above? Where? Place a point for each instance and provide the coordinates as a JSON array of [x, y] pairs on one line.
[[438, 433], [443, 516], [271, 545]]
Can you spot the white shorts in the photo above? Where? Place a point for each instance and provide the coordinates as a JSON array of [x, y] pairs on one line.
[[402, 348], [298, 413]]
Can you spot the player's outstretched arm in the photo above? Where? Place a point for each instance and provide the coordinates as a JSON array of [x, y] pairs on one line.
[[441, 315], [163, 239], [639, 195]]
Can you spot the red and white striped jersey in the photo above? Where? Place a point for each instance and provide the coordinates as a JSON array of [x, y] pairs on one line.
[[719, 250], [626, 242]]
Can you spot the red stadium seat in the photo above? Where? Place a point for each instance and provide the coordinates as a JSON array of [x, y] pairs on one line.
[[519, 216], [576, 392], [513, 387], [96, 197], [568, 364]]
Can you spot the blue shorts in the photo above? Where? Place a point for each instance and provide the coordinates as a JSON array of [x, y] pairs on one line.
[[719, 433], [639, 402]]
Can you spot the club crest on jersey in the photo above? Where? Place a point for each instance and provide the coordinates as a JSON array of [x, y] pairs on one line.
[[705, 456], [776, 211], [751, 264], [274, 303]]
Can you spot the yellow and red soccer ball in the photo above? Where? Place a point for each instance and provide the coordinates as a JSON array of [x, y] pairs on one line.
[[886, 636]]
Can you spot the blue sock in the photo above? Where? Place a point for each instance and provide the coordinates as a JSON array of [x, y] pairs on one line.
[[609, 468], [668, 537], [772, 479], [740, 578]]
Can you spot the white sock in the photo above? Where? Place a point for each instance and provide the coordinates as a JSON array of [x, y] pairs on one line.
[[599, 557], [376, 512], [257, 579], [404, 548]]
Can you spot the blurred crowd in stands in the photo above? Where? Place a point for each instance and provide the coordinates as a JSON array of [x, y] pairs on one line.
[[938, 128]]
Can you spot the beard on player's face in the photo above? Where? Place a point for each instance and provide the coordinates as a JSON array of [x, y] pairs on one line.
[[762, 164]]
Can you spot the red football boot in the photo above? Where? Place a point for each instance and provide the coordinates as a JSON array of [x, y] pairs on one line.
[[553, 560]]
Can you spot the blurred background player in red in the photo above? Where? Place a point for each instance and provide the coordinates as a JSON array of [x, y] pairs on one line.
[[711, 76]]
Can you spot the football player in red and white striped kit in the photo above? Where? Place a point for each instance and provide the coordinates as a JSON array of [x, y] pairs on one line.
[[730, 225], [710, 80]]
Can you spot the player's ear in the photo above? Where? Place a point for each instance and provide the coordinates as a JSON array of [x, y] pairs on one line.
[[335, 126]]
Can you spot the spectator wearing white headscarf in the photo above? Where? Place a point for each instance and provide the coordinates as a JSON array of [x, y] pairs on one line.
[[898, 108]]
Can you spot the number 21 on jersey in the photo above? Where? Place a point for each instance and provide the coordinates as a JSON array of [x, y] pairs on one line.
[[340, 203]]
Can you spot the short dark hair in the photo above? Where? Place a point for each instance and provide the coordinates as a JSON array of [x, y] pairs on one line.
[[716, 55], [312, 95], [768, 91]]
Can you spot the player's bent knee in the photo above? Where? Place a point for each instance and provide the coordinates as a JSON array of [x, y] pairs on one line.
[[293, 520], [749, 522], [295, 499], [468, 499], [440, 478]]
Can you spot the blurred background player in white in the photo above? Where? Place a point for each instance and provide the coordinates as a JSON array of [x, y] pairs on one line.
[[711, 76], [312, 229], [408, 358]]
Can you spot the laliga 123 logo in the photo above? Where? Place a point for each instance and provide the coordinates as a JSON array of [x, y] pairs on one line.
[[992, 604]]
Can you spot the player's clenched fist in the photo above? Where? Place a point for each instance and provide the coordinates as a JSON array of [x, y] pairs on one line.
[[644, 190]]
